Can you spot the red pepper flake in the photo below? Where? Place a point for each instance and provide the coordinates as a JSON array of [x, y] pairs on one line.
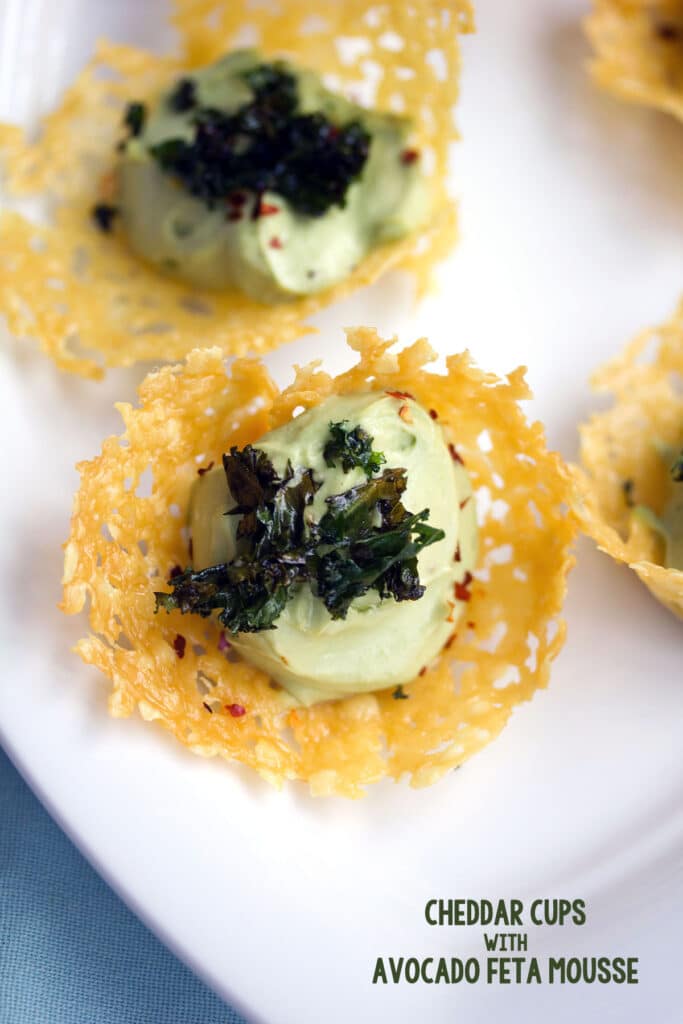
[[422, 670], [205, 469], [275, 243], [175, 571], [273, 685], [405, 414], [267, 209], [179, 645], [223, 642], [464, 501], [409, 156], [400, 395], [471, 625], [208, 707], [449, 642], [190, 548], [451, 605], [457, 557], [236, 710], [454, 455], [434, 414], [462, 589]]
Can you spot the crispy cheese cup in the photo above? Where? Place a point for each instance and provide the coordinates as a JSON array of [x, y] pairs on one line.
[[621, 464], [639, 51], [91, 301], [175, 669]]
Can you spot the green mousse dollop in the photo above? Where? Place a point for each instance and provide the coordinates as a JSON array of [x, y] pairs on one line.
[[380, 642], [261, 242]]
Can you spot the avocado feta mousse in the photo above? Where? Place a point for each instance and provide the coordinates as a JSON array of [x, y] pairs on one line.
[[338, 548], [352, 578], [250, 174], [630, 482], [669, 525]]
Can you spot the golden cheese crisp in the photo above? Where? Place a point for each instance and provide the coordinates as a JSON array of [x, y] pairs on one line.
[[639, 51], [620, 454], [128, 534], [89, 300]]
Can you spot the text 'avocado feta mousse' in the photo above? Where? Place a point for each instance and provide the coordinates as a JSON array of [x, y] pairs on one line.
[[252, 175], [338, 550]]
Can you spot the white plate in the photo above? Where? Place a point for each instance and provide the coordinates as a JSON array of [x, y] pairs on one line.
[[572, 219]]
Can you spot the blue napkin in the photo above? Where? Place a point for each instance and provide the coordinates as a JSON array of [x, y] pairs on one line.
[[70, 951]]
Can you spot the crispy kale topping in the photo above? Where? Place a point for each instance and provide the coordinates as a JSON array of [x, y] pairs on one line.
[[352, 448], [365, 540], [266, 145], [354, 555]]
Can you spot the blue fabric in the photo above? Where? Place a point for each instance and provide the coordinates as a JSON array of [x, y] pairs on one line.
[[70, 951]]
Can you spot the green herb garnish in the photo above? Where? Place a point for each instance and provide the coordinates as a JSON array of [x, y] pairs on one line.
[[352, 448], [365, 540], [266, 145]]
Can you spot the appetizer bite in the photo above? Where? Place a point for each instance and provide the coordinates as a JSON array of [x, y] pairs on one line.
[[308, 546], [249, 174], [233, 192], [630, 484], [639, 51], [353, 578]]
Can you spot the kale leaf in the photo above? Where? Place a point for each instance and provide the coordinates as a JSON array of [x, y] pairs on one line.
[[352, 448], [249, 595], [365, 540], [254, 587], [266, 145], [356, 554]]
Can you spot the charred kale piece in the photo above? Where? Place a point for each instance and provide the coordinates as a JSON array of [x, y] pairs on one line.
[[353, 554], [266, 145], [352, 448]]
